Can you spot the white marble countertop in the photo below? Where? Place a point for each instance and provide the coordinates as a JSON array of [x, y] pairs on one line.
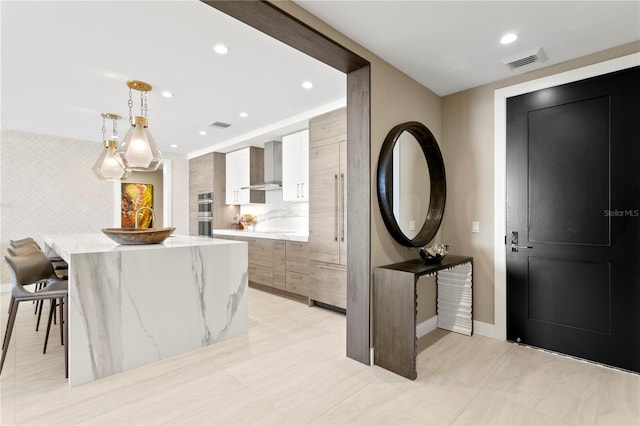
[[67, 244], [272, 235]]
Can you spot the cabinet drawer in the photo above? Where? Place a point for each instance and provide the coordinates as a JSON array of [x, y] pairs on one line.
[[261, 274], [260, 252], [328, 283], [298, 257], [279, 255], [298, 283]]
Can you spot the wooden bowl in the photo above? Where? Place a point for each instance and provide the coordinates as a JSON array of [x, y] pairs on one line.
[[138, 235]]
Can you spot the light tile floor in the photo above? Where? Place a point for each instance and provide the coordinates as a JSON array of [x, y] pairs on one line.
[[291, 369]]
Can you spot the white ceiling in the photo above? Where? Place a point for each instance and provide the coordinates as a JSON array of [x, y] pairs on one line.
[[65, 62], [450, 46]]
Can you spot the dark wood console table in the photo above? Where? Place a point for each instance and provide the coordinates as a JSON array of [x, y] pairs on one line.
[[394, 307]]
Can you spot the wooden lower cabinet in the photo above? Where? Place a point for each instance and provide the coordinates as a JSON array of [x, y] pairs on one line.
[[297, 268], [297, 257], [261, 274], [297, 283], [328, 283], [261, 252], [279, 265]]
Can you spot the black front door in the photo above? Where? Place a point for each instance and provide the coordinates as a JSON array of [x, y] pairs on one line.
[[573, 219]]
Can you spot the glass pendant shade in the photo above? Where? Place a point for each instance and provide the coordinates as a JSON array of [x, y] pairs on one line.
[[109, 166], [138, 150]]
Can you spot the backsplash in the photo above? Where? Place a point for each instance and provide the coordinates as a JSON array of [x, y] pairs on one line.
[[280, 216]]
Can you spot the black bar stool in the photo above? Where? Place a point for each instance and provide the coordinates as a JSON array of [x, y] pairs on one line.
[[28, 269]]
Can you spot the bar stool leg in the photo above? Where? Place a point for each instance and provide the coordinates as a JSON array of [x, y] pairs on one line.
[[37, 302], [46, 337], [11, 302], [41, 302], [7, 334]]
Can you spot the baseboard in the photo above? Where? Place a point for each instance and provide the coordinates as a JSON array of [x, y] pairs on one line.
[[480, 328], [427, 326], [487, 330], [5, 288]]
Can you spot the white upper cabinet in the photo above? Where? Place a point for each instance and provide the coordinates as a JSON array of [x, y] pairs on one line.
[[295, 166], [243, 168], [236, 174]]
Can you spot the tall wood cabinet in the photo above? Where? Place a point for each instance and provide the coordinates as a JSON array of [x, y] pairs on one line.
[[328, 208], [207, 174]]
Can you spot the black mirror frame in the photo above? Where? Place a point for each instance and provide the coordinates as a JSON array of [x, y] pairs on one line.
[[438, 194]]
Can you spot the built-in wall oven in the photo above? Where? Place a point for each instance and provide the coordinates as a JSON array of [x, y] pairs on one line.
[[205, 213]]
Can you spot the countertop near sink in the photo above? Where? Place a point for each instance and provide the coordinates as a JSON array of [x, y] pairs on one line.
[[272, 235]]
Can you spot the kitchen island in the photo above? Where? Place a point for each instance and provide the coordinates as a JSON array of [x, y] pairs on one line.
[[130, 305]]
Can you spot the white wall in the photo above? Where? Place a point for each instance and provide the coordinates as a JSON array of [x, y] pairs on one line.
[[468, 150], [47, 187]]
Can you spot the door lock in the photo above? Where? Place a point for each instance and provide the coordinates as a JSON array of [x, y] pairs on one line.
[[514, 243]]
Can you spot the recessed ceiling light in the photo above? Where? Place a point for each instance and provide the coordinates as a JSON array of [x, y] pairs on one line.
[[509, 38], [174, 146], [203, 133], [307, 85], [167, 94], [220, 49], [244, 114]]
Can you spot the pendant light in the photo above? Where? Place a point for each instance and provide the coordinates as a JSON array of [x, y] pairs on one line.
[[109, 166], [138, 150]]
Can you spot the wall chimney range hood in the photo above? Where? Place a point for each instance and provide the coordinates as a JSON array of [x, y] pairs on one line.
[[272, 168]]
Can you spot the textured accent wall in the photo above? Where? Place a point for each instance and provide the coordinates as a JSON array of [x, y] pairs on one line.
[[47, 187]]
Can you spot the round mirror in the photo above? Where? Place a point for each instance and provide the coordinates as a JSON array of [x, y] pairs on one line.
[[411, 184]]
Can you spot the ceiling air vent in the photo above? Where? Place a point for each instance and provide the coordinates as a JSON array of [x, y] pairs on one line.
[[525, 58], [219, 125]]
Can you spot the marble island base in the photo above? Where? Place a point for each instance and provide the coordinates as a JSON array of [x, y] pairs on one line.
[[133, 305]]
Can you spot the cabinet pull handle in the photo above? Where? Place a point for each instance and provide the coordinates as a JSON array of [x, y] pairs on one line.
[[342, 207], [336, 208], [331, 268], [298, 190], [302, 190]]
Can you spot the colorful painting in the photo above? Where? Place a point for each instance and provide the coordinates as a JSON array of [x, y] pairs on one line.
[[134, 197]]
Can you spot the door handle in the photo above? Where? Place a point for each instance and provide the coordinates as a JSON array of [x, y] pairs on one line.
[[336, 208], [514, 243], [342, 207]]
